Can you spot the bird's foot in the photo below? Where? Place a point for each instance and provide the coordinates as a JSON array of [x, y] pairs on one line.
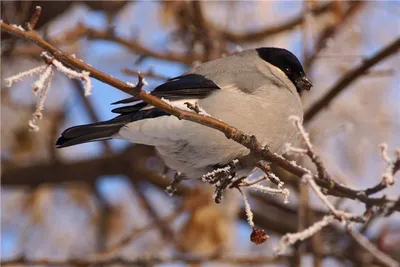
[[222, 177], [172, 188]]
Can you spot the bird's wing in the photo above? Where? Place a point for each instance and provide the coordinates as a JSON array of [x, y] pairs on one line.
[[134, 119], [187, 86]]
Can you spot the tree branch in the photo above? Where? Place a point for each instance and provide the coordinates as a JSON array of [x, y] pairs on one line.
[[268, 31], [381, 257], [332, 30], [349, 78], [331, 187], [130, 162]]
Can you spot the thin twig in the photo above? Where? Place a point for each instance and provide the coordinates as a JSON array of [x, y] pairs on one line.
[[149, 74], [248, 141], [330, 31], [388, 176], [261, 34], [34, 19]]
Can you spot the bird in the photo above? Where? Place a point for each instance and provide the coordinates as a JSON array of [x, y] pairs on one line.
[[255, 90]]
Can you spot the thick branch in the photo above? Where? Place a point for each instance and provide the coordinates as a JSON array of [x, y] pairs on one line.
[[131, 162], [250, 142], [137, 47]]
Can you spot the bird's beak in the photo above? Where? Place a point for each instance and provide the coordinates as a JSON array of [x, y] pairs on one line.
[[303, 83]]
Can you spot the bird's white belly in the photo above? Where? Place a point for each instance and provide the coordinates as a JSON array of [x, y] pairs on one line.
[[193, 149]]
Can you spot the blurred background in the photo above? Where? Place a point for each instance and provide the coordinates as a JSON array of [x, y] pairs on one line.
[[81, 201]]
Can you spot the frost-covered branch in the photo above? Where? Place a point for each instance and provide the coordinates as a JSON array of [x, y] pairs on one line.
[[272, 191], [250, 142], [41, 86], [257, 236], [340, 215], [83, 76], [247, 208], [322, 174], [41, 89], [392, 167], [289, 150], [20, 76], [388, 175], [290, 239]]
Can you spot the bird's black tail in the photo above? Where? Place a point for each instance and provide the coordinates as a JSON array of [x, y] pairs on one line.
[[88, 133], [106, 129]]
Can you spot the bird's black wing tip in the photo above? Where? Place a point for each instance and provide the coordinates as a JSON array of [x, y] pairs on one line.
[[60, 143], [126, 100]]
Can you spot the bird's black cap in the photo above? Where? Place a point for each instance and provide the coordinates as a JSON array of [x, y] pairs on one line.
[[288, 63]]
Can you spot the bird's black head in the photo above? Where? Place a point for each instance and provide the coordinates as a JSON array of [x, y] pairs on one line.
[[288, 63]]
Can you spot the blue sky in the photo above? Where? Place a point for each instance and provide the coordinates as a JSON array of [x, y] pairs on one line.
[[108, 56]]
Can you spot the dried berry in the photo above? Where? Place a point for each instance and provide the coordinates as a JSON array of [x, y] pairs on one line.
[[258, 236]]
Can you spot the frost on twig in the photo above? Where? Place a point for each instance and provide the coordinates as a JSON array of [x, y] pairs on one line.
[[130, 84], [387, 178], [19, 27], [388, 175], [322, 174], [212, 177], [221, 178], [249, 213], [258, 236], [20, 76], [297, 123], [42, 85], [34, 19], [308, 179], [40, 88], [290, 239], [288, 149], [83, 76], [263, 165], [339, 215], [272, 191], [384, 153]]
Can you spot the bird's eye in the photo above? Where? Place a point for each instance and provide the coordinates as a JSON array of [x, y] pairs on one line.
[[288, 70]]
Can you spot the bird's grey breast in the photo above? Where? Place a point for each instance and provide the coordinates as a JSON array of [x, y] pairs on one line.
[[255, 97]]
